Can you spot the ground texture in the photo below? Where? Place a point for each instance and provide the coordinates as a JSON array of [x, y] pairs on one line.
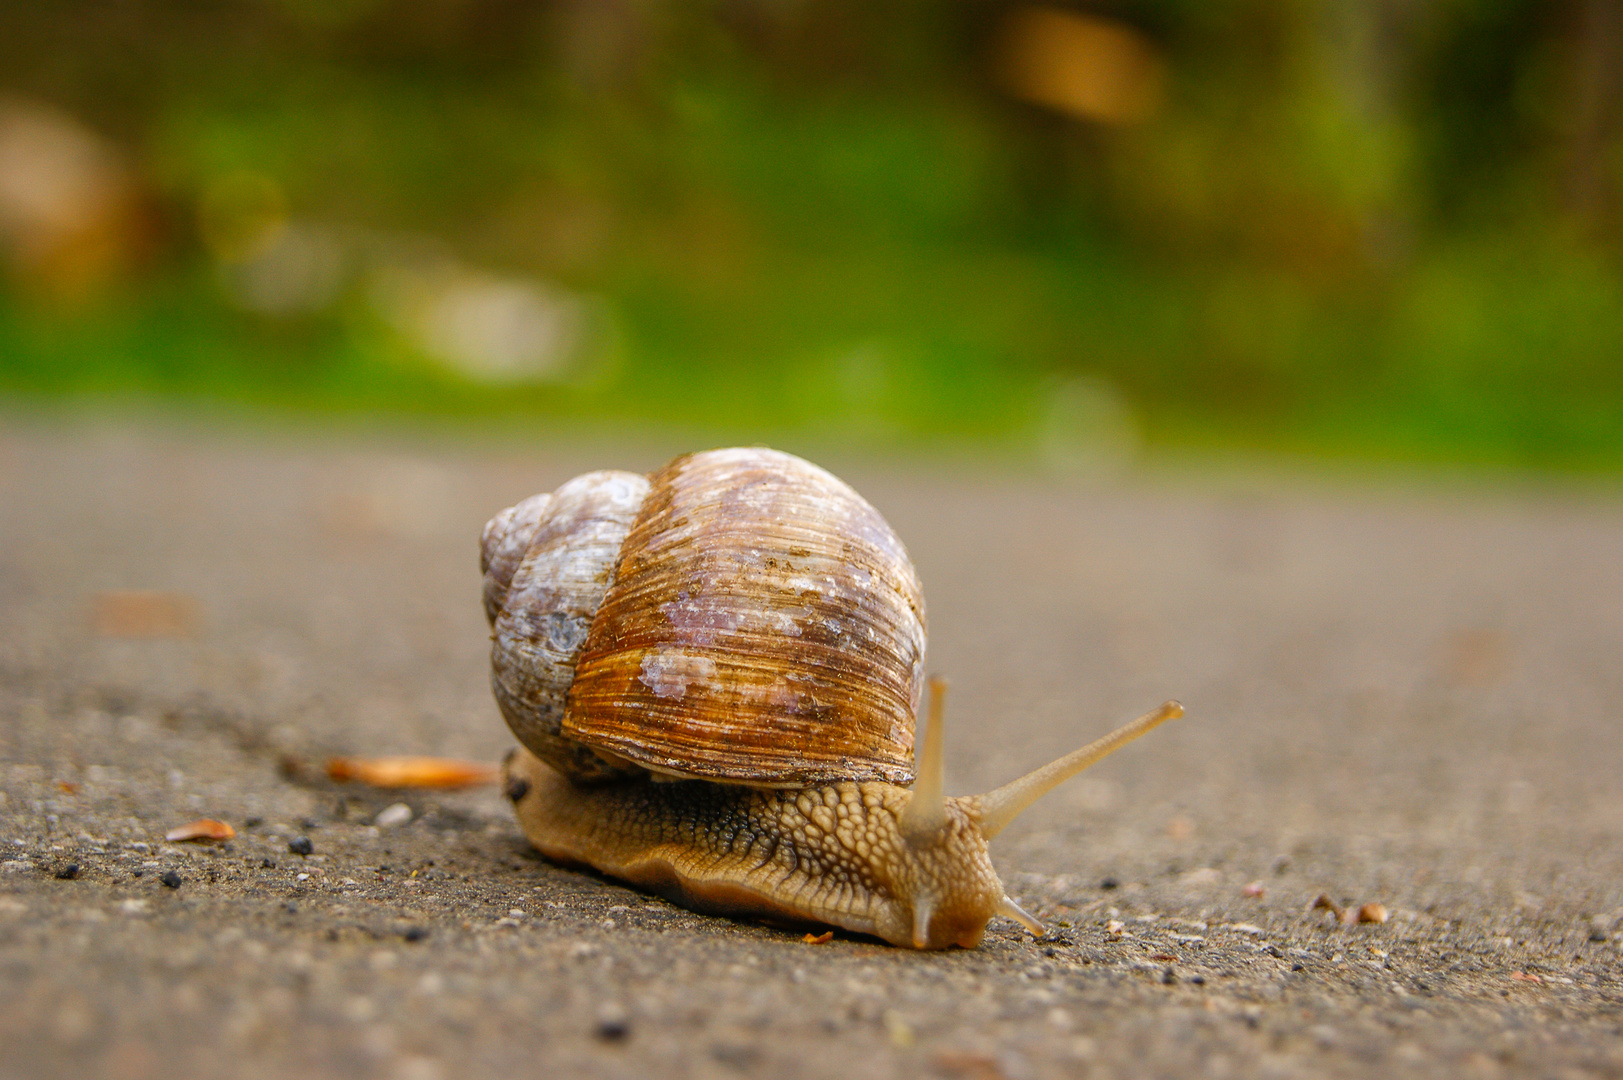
[[1404, 695]]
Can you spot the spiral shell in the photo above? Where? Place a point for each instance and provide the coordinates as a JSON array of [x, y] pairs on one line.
[[740, 616]]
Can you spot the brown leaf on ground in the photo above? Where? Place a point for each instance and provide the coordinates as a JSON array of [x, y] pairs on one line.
[[402, 772], [141, 613], [819, 939], [969, 1066], [202, 829]]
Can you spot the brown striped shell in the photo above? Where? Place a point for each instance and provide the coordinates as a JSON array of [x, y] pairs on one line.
[[740, 616]]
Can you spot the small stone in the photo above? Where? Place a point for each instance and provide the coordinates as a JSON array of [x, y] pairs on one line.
[[301, 845], [1109, 883], [395, 814], [71, 871], [415, 933], [1255, 890], [1372, 912], [1324, 903], [170, 879], [899, 1030], [613, 1025], [1169, 977], [737, 1055]]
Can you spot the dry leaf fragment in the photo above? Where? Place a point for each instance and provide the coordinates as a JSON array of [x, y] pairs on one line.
[[399, 772], [1372, 912], [969, 1066], [202, 829], [141, 613], [1522, 976], [67, 787], [819, 939]]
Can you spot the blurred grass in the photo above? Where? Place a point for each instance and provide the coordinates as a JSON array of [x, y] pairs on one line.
[[846, 232]]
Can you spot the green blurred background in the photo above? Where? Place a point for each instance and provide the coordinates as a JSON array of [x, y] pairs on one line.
[[1367, 229]]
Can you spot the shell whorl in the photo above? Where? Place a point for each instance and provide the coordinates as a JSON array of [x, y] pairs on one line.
[[568, 543], [741, 616]]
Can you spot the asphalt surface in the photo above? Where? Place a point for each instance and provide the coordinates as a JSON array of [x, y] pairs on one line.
[[1404, 694]]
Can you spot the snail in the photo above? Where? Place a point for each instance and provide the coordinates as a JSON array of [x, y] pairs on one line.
[[714, 672]]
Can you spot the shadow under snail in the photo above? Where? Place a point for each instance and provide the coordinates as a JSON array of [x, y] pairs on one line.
[[714, 672]]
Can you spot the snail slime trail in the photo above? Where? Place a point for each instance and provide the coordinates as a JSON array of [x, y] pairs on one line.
[[743, 621]]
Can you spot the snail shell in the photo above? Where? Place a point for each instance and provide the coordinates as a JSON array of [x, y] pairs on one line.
[[741, 616]]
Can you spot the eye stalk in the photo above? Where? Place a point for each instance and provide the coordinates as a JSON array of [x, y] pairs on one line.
[[932, 826], [927, 812], [1001, 806]]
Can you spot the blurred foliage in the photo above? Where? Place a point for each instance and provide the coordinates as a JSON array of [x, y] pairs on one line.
[[1383, 228]]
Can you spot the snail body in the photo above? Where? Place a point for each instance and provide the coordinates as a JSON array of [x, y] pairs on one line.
[[714, 672]]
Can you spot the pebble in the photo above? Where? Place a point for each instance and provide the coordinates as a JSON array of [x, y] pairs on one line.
[[170, 879], [68, 872], [613, 1025], [301, 845], [396, 814], [1372, 912]]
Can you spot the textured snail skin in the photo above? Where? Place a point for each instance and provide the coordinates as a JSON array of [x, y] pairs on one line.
[[832, 855]]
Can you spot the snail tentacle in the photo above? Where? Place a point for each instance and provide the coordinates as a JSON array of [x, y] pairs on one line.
[[1001, 806], [1007, 907], [926, 811]]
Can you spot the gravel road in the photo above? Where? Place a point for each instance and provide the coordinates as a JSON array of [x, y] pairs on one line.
[[1403, 694]]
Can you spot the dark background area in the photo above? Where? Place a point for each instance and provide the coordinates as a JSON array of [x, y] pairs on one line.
[[1385, 230]]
